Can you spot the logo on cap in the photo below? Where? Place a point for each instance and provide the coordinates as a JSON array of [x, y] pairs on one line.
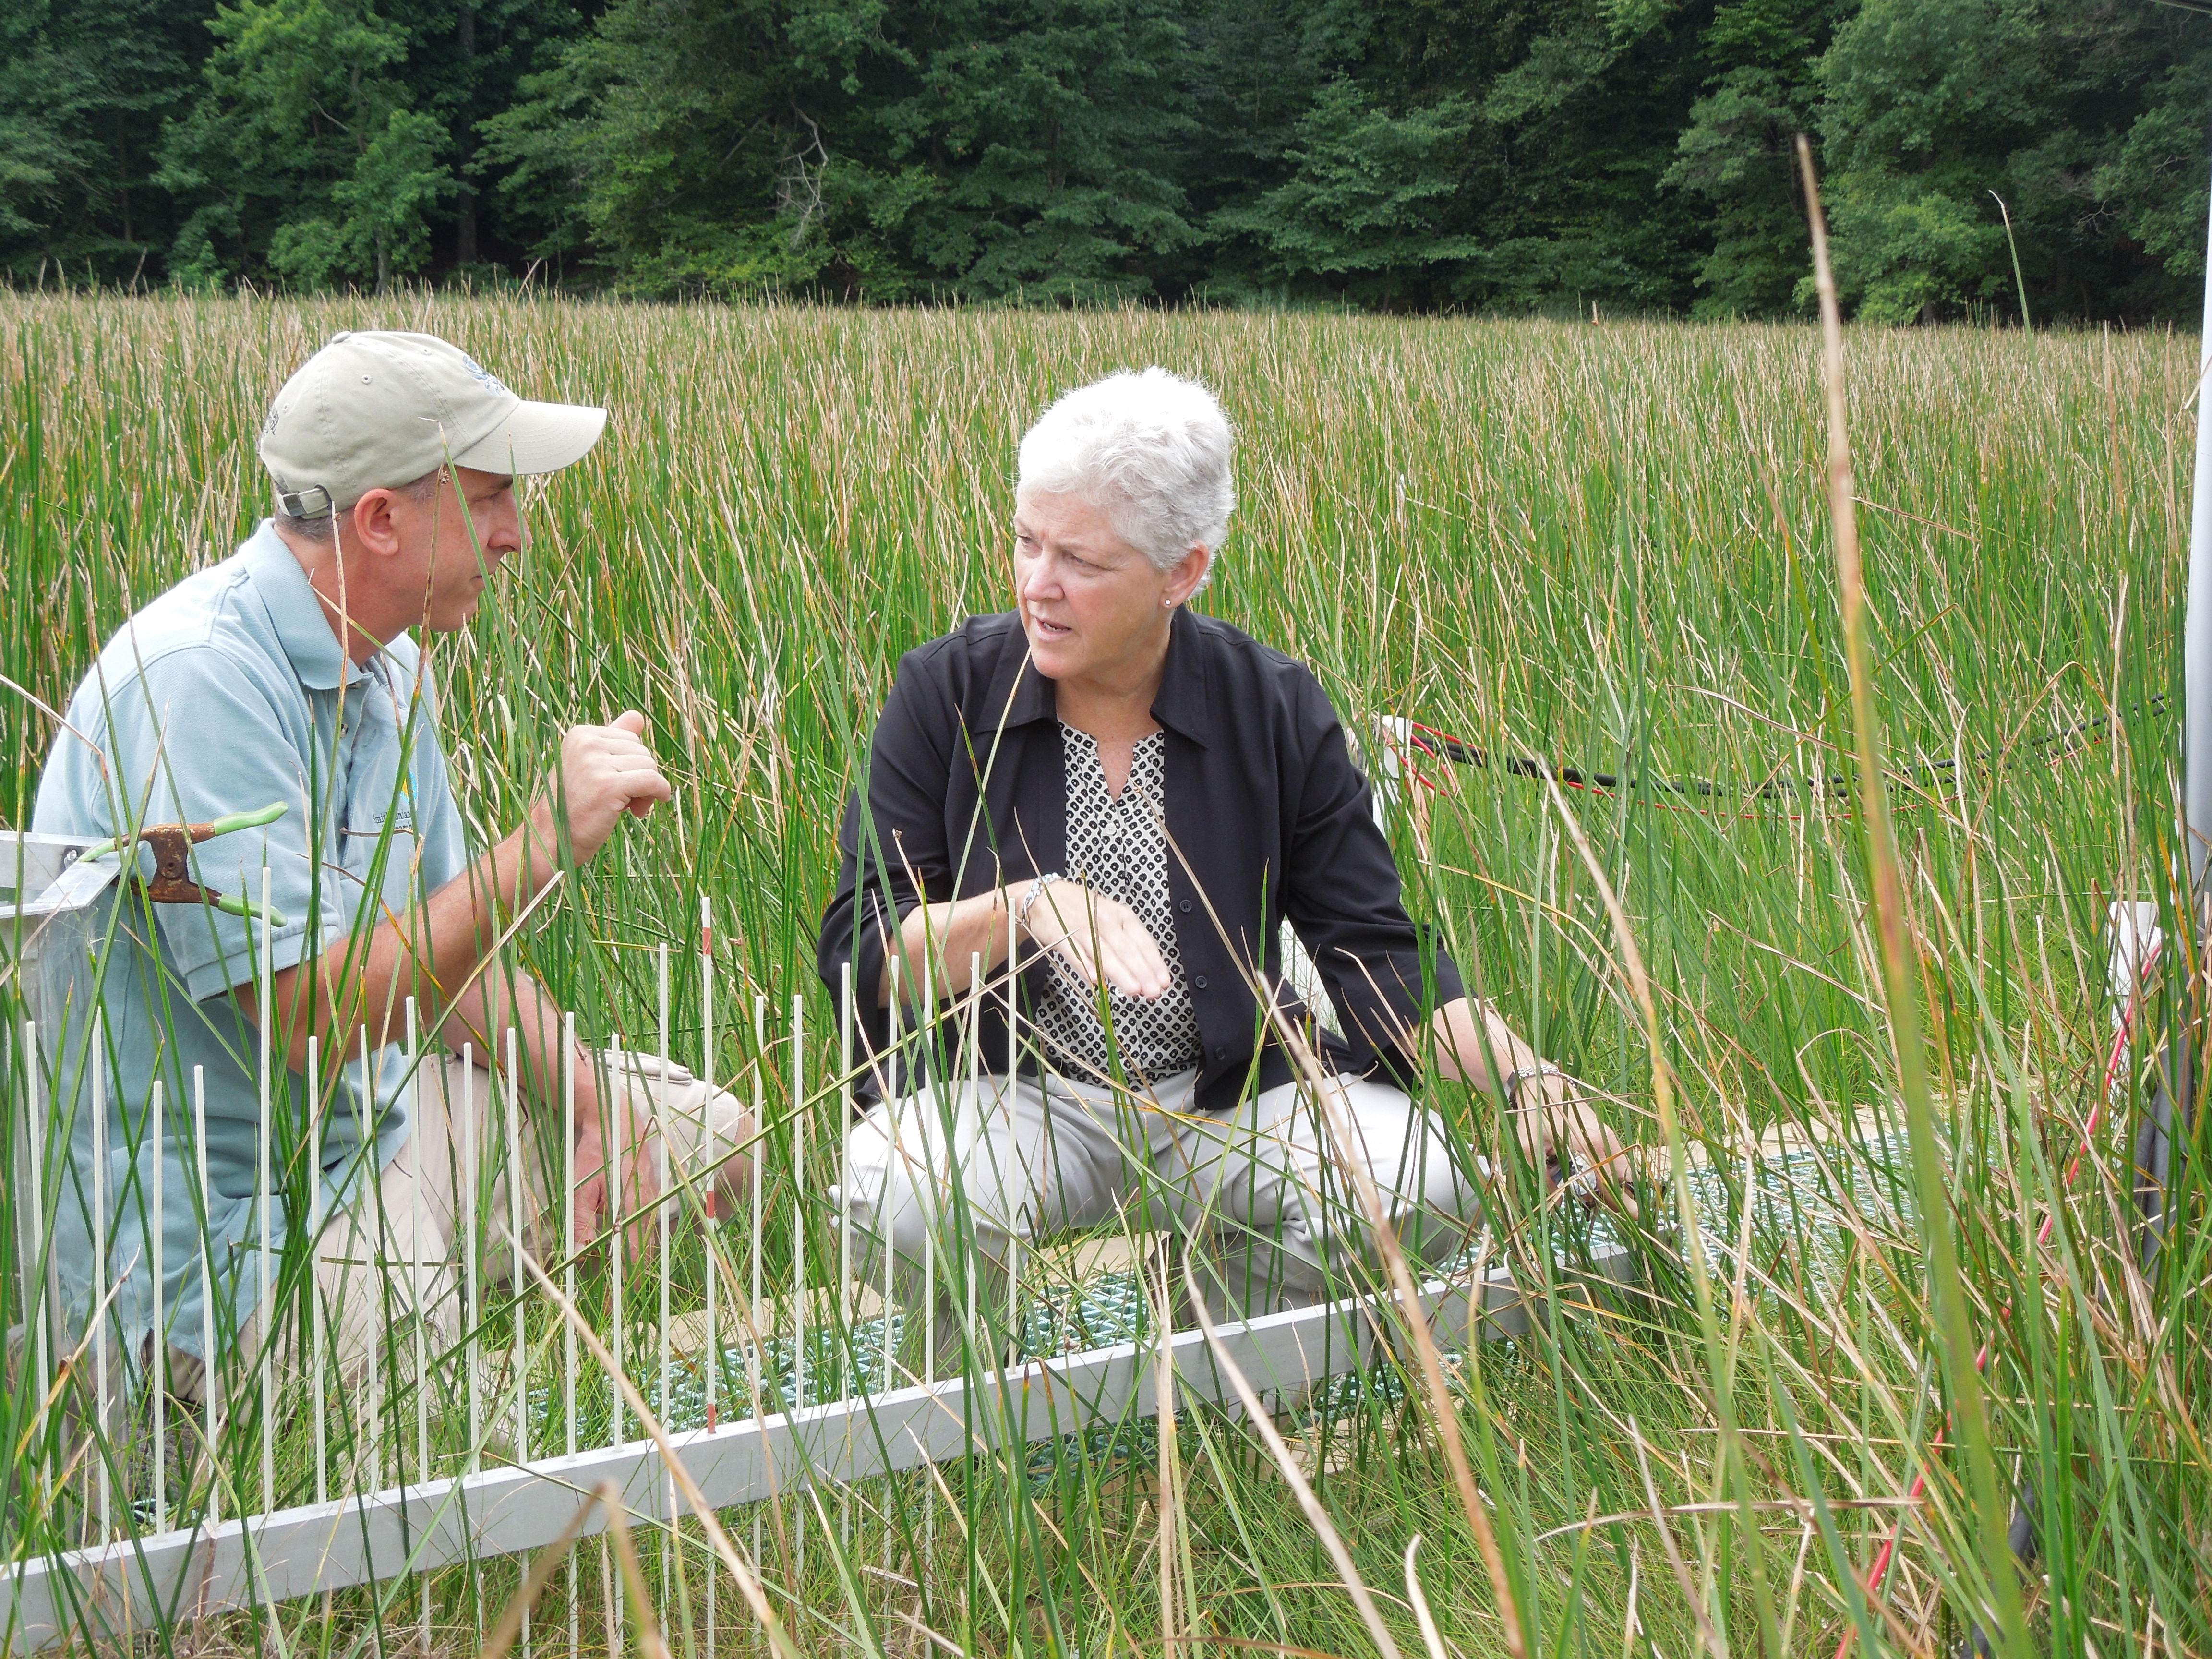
[[484, 378]]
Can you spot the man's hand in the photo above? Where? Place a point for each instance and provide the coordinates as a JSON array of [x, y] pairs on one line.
[[606, 771], [1100, 938], [626, 1184]]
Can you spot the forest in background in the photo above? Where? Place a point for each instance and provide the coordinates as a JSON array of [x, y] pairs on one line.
[[1476, 155]]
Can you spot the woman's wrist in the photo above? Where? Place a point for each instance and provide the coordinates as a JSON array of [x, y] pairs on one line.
[[1032, 891], [1539, 1070]]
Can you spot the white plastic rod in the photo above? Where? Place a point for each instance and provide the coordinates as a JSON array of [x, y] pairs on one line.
[[380, 1356], [418, 1298], [471, 1246], [612, 1157], [568, 1253], [755, 1318], [798, 1203], [932, 1135], [754, 1315], [37, 1242], [210, 1372], [99, 1246], [2196, 626], [318, 1335], [157, 1379], [1013, 1065], [517, 1175], [264, 1201], [660, 1207], [964, 1143], [712, 1369], [418, 1301], [568, 1051], [847, 1309], [660, 1172], [798, 1292], [881, 1203], [711, 1361]]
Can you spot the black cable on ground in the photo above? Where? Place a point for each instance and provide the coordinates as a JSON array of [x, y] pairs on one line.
[[1835, 785]]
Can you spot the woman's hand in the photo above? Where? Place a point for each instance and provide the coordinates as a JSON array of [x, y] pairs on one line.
[[1560, 1131], [1098, 936]]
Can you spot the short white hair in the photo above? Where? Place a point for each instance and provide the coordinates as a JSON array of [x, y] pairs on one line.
[[1150, 447]]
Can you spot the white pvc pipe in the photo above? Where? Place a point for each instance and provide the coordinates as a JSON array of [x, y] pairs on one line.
[[713, 1345], [99, 1238], [265, 1201], [568, 1232], [798, 1203], [318, 1337], [419, 1299], [713, 1348], [612, 1153], [471, 1247], [569, 1274], [2197, 627], [517, 1174], [660, 1171], [158, 1380], [210, 1373], [38, 1246]]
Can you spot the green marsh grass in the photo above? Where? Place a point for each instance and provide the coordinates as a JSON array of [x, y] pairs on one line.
[[1603, 544]]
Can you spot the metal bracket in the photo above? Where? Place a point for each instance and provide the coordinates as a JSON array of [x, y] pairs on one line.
[[171, 845]]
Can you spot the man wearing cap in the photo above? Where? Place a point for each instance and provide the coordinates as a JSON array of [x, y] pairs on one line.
[[287, 675]]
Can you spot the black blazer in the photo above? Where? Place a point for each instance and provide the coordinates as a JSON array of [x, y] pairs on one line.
[[1267, 817]]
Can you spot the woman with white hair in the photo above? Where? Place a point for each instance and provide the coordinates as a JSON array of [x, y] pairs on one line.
[[1131, 798]]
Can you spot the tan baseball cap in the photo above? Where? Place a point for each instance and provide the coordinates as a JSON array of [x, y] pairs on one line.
[[375, 409]]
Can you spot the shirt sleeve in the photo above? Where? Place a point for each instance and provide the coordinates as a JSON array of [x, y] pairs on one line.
[[1342, 895], [189, 736], [893, 848]]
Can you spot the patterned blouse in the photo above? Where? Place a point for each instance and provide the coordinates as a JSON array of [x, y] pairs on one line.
[[1119, 849]]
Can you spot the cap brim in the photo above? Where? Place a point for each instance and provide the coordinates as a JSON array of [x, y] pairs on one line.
[[536, 438]]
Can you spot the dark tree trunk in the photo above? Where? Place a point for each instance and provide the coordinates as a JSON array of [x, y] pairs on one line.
[[123, 171], [464, 238]]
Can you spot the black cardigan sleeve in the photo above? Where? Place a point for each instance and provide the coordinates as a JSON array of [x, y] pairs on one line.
[[1342, 896], [893, 848]]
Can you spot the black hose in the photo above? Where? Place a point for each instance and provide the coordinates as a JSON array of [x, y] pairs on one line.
[[1834, 784]]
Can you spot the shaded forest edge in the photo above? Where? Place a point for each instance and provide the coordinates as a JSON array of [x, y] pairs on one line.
[[1497, 155]]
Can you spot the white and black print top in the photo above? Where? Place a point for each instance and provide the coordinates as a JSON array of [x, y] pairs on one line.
[[1119, 849]]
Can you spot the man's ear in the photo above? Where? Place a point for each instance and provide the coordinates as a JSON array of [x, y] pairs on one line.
[[373, 527]]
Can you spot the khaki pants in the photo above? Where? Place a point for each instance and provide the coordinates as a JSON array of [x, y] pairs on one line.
[[396, 1253], [956, 1182]]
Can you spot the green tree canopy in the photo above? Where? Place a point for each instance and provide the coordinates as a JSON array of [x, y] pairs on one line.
[[1500, 154]]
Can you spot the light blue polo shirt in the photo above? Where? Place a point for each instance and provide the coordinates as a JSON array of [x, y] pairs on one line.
[[225, 695]]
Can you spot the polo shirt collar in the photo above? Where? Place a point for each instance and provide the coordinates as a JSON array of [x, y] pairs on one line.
[[296, 613]]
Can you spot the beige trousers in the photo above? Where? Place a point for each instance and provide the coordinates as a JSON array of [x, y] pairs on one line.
[[956, 1182], [396, 1253]]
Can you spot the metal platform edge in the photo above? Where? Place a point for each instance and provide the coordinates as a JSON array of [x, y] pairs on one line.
[[106, 1592]]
